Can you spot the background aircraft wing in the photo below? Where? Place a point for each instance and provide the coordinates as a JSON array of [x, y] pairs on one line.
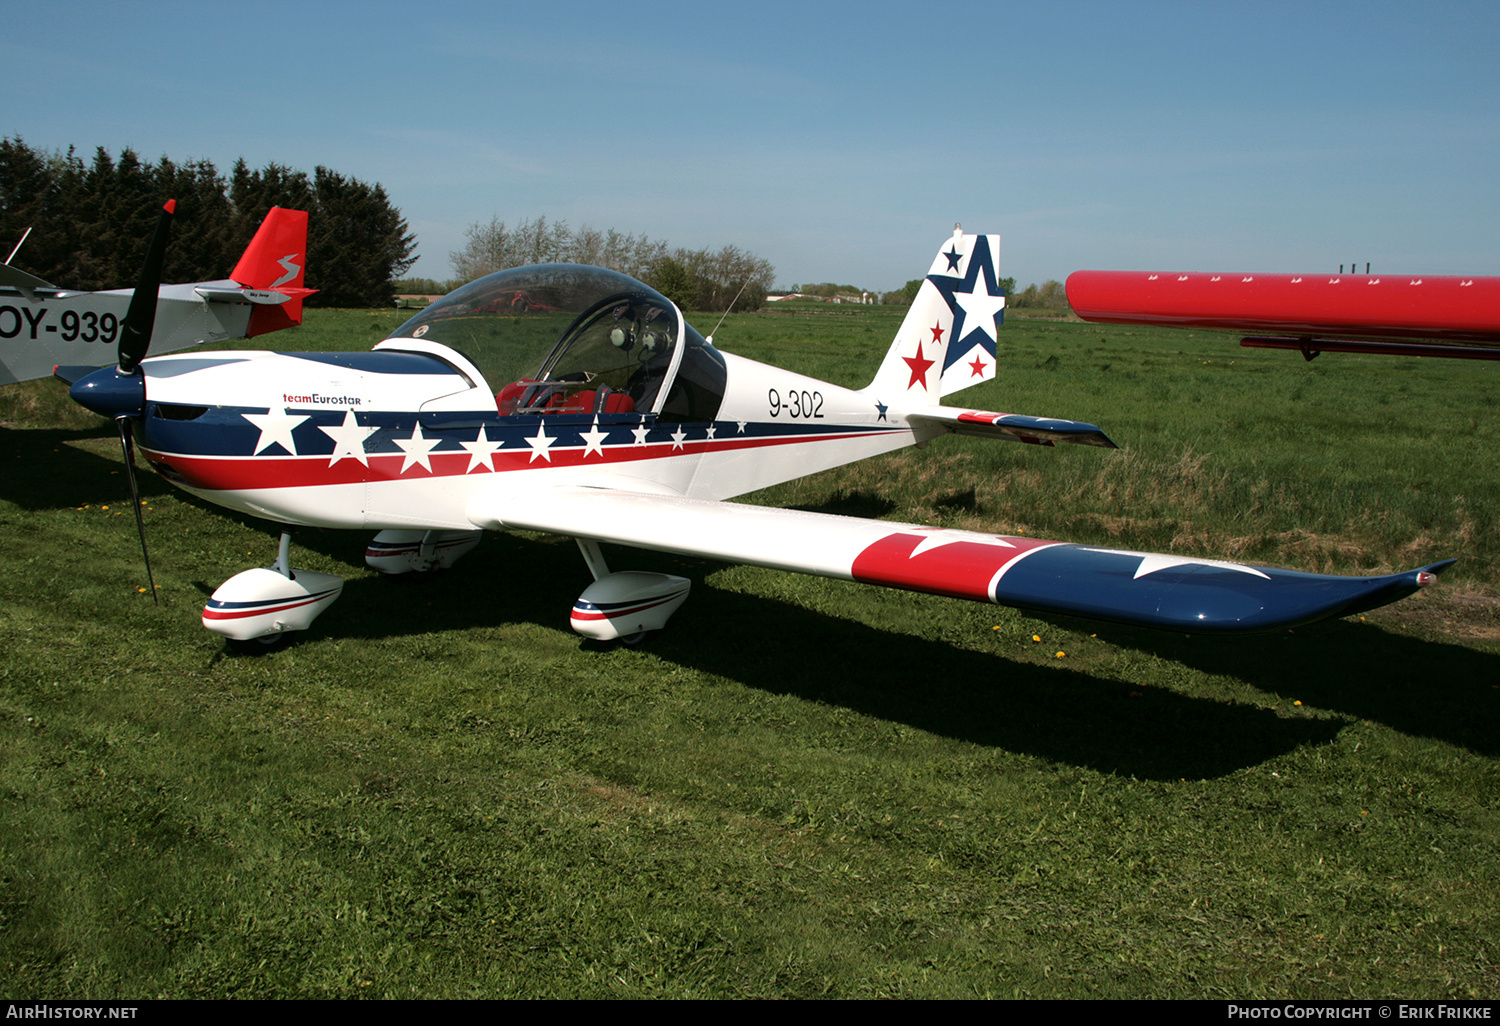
[[1455, 316], [1172, 592]]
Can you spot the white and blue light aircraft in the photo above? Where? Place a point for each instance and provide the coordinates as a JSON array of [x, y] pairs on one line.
[[578, 401]]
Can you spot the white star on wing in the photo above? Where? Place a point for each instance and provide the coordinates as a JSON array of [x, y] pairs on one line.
[[349, 439], [416, 448], [1151, 562], [593, 440], [938, 538], [540, 444], [481, 451], [275, 429], [979, 306]]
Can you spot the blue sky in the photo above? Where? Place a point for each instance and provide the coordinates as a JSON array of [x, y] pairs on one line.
[[839, 141]]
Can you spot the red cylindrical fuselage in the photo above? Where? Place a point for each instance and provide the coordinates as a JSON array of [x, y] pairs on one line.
[[1361, 305]]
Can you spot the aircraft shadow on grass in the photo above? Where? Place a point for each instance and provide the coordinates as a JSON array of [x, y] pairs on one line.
[[1421, 687], [1050, 712], [46, 471]]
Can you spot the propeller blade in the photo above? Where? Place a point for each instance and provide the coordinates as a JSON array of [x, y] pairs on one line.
[[135, 498], [140, 319]]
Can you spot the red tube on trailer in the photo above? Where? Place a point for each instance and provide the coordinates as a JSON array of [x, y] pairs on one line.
[[1448, 308]]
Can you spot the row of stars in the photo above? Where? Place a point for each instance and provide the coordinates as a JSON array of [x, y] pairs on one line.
[[349, 440]]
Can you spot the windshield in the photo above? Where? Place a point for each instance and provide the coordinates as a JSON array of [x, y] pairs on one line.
[[557, 323], [564, 338]]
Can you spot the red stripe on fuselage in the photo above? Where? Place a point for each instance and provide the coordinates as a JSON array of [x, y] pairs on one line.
[[232, 473]]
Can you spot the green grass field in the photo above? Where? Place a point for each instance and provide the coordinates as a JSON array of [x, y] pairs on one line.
[[803, 787]]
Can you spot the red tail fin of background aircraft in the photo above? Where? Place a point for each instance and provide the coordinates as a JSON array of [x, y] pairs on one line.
[[275, 261]]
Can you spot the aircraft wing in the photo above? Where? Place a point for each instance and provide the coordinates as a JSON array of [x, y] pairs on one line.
[[1454, 316], [1182, 593]]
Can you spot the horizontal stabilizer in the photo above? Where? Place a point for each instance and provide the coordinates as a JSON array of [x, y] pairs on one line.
[[17, 278], [263, 297], [1170, 592], [1014, 426]]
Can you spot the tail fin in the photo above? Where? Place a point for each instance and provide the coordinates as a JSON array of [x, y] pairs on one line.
[[947, 341], [275, 262]]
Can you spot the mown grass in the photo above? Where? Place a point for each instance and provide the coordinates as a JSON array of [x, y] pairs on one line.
[[803, 787]]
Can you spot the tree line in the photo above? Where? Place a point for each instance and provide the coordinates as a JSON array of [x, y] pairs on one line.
[[1051, 295], [90, 221], [693, 279]]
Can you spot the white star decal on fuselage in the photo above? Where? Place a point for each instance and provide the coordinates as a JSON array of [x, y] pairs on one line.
[[275, 429], [640, 434], [540, 444], [349, 439], [593, 440], [416, 448], [678, 437], [481, 451]]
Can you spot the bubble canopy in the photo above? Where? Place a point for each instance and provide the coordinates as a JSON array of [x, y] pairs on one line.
[[565, 338]]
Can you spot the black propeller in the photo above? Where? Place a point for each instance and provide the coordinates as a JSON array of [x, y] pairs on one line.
[[135, 340], [140, 319], [135, 499]]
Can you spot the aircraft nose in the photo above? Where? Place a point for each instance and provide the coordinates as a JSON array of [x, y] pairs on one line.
[[106, 391]]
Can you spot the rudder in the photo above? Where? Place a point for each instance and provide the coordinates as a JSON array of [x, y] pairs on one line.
[[276, 261], [947, 340]]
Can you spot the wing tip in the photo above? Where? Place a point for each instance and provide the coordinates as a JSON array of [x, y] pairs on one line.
[[1427, 575]]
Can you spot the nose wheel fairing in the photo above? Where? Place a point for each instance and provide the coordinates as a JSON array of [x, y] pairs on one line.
[[262, 602]]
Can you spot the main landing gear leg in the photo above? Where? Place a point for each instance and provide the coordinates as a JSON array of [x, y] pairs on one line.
[[266, 604]]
